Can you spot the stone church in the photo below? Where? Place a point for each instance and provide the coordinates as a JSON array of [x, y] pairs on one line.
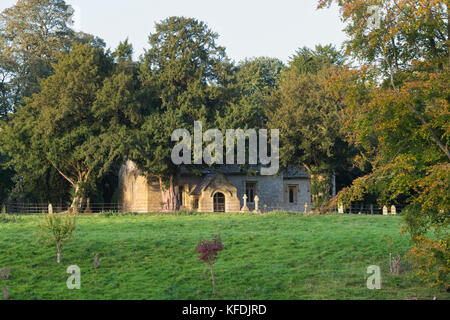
[[228, 188]]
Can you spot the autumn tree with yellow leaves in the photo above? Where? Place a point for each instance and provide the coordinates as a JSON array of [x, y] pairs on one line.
[[397, 112]]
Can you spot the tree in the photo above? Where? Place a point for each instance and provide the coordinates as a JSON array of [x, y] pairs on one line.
[[32, 32], [397, 102], [78, 122], [308, 113], [306, 60], [185, 76], [57, 229], [209, 251], [255, 80]]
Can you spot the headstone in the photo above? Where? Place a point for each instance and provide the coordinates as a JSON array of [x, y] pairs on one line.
[[306, 207], [393, 210], [341, 208], [50, 208], [245, 208], [257, 205], [385, 211], [371, 208]]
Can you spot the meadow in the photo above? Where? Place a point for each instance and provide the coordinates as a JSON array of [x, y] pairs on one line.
[[270, 256]]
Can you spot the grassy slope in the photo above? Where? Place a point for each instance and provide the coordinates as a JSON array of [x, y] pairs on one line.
[[265, 257]]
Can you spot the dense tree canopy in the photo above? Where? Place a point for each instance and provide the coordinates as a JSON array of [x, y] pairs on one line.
[[31, 34], [77, 122], [185, 76], [255, 80], [309, 114]]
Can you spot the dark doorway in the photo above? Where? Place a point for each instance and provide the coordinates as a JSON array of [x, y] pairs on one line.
[[219, 202]]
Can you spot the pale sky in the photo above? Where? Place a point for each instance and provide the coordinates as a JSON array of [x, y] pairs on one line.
[[247, 28]]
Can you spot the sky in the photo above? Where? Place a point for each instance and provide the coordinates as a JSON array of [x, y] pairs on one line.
[[246, 28]]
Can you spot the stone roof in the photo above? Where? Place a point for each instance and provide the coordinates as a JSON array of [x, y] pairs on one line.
[[204, 184], [291, 172]]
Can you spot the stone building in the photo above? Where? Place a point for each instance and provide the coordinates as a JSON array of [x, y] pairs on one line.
[[225, 189]]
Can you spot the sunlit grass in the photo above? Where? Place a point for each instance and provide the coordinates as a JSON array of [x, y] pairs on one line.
[[272, 256]]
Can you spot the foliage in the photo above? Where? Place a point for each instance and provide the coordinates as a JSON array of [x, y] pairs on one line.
[[7, 218], [77, 123], [6, 183], [306, 60], [309, 114], [184, 76], [208, 251], [57, 229], [397, 108], [32, 32], [110, 213], [431, 260], [255, 80]]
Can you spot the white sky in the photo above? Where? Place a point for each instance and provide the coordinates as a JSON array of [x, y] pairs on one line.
[[247, 28]]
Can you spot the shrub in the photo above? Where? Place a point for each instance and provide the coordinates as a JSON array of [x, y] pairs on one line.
[[116, 214], [7, 218], [109, 214], [208, 251], [57, 229], [4, 273], [431, 260]]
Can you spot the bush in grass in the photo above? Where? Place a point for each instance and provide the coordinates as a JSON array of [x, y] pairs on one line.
[[7, 218], [4, 273], [57, 229], [109, 214], [431, 260], [208, 251], [116, 214]]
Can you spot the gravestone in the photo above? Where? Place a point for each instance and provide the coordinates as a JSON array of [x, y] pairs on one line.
[[245, 208], [385, 211], [393, 210], [257, 205]]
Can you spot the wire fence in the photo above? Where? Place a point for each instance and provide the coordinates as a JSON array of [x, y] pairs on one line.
[[364, 208], [43, 208]]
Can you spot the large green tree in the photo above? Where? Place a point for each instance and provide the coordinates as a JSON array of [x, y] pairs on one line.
[[32, 35], [185, 74], [255, 80], [308, 113], [77, 123], [32, 32]]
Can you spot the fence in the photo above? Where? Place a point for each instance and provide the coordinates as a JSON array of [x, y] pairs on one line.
[[39, 208], [364, 208]]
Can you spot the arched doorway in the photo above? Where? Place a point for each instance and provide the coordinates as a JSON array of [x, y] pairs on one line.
[[219, 202]]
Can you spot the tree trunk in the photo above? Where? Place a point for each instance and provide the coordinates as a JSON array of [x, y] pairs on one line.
[[169, 195], [212, 279], [58, 255], [77, 201]]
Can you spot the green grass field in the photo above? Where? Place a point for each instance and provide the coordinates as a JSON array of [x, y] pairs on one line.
[[272, 256]]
